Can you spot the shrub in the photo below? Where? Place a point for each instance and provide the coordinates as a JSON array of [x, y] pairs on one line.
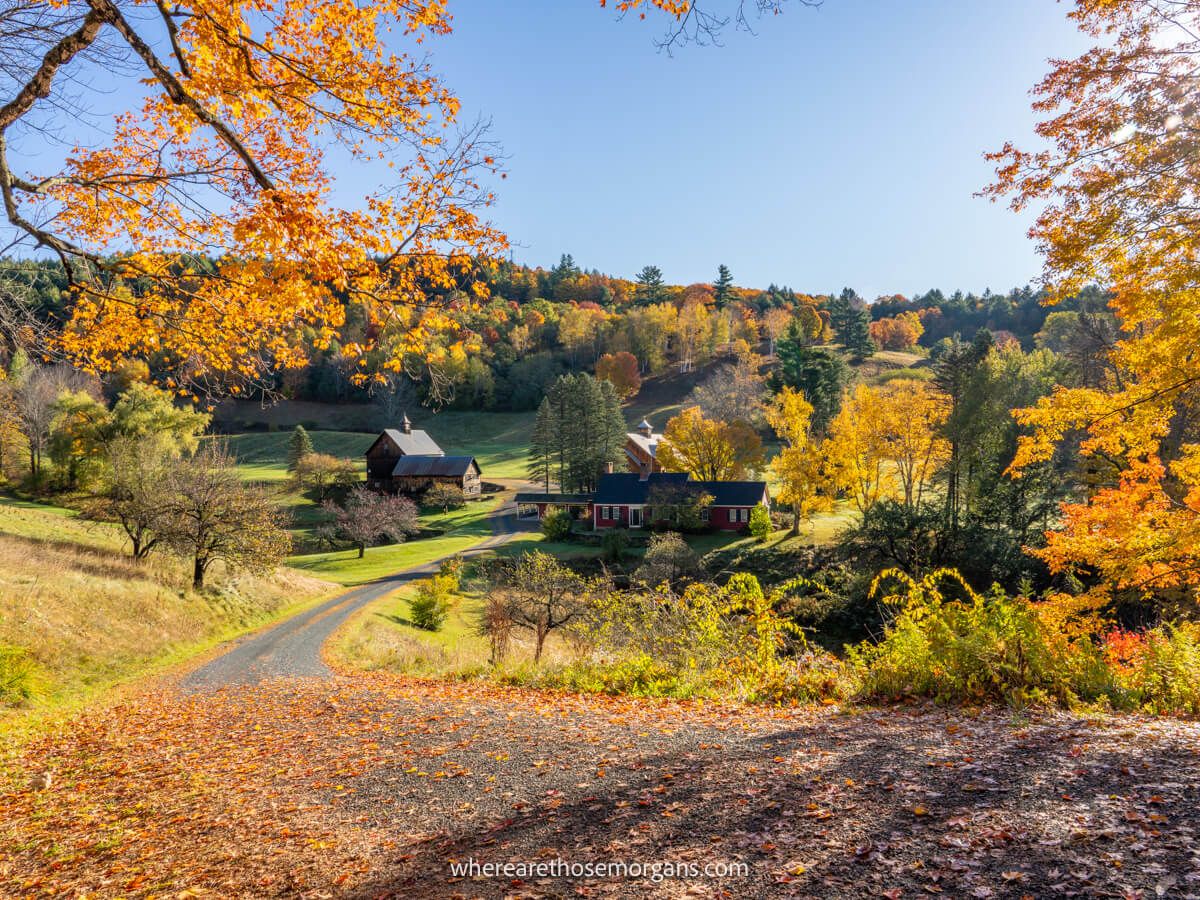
[[978, 648], [433, 601], [668, 559], [760, 523], [556, 524], [614, 543], [444, 497], [1161, 669], [16, 675]]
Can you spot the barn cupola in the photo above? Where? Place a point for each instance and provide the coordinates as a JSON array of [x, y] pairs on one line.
[[406, 425], [645, 429]]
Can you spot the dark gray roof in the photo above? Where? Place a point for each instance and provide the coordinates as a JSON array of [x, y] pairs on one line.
[[629, 488], [415, 443], [425, 466]]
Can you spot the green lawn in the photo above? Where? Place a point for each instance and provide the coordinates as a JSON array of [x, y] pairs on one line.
[[464, 528], [263, 456], [498, 441]]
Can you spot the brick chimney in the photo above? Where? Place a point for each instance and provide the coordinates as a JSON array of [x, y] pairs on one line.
[[608, 468]]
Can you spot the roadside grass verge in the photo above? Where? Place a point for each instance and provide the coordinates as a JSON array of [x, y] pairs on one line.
[[84, 617], [381, 637]]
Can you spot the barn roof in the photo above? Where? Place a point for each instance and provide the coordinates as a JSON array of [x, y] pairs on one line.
[[415, 443], [429, 466]]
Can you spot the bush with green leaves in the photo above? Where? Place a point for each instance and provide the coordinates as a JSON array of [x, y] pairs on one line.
[[556, 524], [760, 523], [433, 600], [17, 671], [614, 543], [949, 642]]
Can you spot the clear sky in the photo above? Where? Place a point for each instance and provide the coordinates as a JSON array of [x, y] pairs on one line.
[[835, 146], [839, 145]]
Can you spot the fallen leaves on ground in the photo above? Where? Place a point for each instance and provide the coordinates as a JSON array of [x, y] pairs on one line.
[[369, 786]]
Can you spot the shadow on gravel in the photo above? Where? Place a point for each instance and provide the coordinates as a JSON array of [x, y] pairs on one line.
[[841, 811]]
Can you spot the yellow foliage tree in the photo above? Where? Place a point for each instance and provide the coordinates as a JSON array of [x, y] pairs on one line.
[[1118, 188], [800, 466], [709, 450], [884, 443]]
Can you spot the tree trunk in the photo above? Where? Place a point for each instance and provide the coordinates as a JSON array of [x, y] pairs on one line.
[[198, 574], [541, 641], [362, 549], [796, 520]]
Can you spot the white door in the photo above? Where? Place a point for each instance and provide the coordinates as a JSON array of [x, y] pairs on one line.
[[635, 517]]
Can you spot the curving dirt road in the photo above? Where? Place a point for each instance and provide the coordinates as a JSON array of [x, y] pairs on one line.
[[293, 647]]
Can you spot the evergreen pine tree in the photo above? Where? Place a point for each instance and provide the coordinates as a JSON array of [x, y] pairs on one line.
[[818, 374], [578, 430], [299, 446], [650, 285], [723, 286], [851, 323], [541, 445]]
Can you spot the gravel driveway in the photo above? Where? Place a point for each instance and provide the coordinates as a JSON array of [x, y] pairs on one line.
[[293, 647]]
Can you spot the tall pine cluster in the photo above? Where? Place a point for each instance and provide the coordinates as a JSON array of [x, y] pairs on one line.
[[579, 430]]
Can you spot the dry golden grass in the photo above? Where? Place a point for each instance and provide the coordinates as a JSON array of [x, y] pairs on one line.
[[381, 637], [89, 616]]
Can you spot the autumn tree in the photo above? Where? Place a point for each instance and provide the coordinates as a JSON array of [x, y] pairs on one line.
[[35, 391], [709, 450], [209, 514], [1117, 189], [137, 496], [857, 448], [775, 324], [732, 392], [77, 435], [799, 467], [899, 332], [365, 517], [540, 595], [444, 496], [620, 368], [224, 158], [323, 474], [915, 446]]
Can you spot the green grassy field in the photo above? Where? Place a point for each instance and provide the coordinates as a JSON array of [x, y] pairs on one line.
[[463, 529], [498, 441], [263, 456]]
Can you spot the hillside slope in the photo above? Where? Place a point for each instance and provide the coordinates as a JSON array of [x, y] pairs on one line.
[[76, 614]]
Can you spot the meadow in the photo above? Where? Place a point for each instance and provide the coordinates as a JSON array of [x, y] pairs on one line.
[[77, 615]]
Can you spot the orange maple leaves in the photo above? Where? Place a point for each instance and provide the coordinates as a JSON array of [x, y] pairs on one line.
[[206, 233], [1121, 182]]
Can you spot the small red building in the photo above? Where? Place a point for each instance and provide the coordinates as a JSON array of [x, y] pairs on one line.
[[629, 500], [626, 499]]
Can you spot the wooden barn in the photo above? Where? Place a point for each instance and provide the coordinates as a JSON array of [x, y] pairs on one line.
[[408, 461]]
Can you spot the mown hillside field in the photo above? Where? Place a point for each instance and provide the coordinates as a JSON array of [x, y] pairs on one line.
[[78, 615]]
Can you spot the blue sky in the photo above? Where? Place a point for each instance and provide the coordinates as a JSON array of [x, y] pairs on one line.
[[835, 146], [839, 145]]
